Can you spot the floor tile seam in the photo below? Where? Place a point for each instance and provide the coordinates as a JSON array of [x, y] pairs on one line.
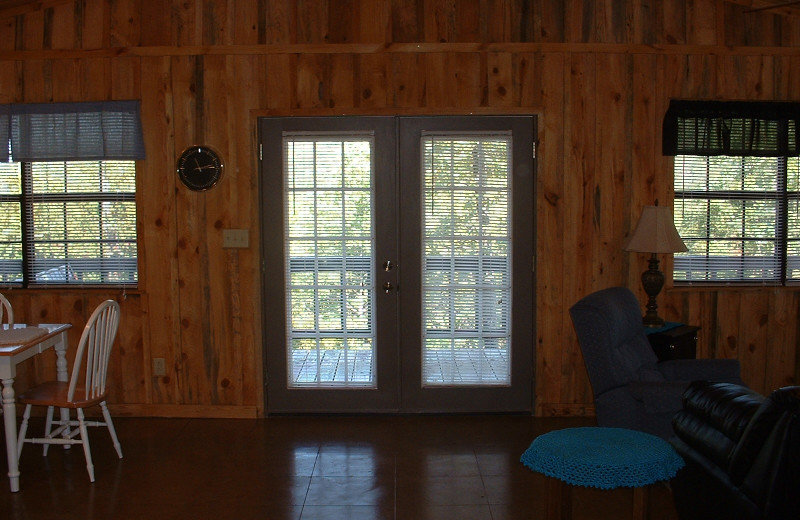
[[310, 479], [482, 477]]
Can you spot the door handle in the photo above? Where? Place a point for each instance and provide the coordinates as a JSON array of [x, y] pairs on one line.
[[388, 266], [388, 287]]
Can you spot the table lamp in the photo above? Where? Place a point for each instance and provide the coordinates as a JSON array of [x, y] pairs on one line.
[[655, 233]]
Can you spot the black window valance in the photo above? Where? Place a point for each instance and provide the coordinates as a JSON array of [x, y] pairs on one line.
[[103, 130], [739, 128]]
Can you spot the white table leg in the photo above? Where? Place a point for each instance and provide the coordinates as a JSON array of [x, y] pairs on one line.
[[62, 374], [10, 423]]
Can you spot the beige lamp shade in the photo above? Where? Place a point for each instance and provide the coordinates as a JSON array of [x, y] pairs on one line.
[[655, 232]]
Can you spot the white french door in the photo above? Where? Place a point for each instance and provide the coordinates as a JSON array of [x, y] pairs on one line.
[[398, 281]]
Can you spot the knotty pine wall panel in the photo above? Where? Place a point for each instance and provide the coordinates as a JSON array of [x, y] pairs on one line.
[[599, 74]]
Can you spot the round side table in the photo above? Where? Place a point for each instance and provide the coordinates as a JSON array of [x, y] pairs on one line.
[[604, 458]]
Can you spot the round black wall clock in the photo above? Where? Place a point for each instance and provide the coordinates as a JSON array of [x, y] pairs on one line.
[[200, 167]]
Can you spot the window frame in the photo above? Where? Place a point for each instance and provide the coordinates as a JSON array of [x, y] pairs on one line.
[[26, 199], [782, 197]]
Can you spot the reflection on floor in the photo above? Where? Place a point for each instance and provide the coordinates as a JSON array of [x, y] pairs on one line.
[[319, 467]]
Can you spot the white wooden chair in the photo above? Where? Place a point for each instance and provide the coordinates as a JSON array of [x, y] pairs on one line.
[[6, 316], [6, 311], [86, 387]]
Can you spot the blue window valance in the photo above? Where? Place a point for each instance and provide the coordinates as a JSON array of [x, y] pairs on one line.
[[739, 128], [81, 131]]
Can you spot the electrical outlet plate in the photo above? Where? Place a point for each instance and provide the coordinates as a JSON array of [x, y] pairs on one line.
[[235, 238], [159, 366]]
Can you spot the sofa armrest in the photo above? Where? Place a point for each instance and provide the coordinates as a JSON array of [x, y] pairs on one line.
[[723, 370], [714, 418]]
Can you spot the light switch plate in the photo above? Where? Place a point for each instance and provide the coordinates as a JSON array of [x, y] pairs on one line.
[[235, 238]]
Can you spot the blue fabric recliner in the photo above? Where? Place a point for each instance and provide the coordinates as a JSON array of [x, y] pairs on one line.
[[632, 388]]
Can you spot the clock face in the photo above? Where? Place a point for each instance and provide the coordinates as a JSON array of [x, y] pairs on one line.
[[200, 167]]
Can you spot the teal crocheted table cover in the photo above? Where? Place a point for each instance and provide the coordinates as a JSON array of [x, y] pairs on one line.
[[603, 458]]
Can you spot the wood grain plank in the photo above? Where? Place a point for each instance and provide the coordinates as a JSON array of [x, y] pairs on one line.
[[281, 78], [158, 29], [61, 31], [554, 328], [500, 81], [10, 82], [407, 20], [372, 80], [30, 31], [245, 292], [312, 21], [281, 22], [675, 21], [313, 72], [729, 338], [647, 22], [528, 80], [580, 215], [96, 81], [186, 23], [469, 79], [779, 343], [407, 81], [247, 22], [93, 24], [221, 355], [8, 33], [125, 19], [66, 84], [35, 81], [753, 342], [158, 231], [618, 97], [375, 21], [701, 22]]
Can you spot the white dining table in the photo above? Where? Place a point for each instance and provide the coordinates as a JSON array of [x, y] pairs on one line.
[[17, 344]]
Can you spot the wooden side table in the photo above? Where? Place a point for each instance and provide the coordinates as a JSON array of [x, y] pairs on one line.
[[677, 341], [603, 458]]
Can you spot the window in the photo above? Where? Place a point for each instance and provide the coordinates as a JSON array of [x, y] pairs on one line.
[[737, 191], [68, 223], [739, 217], [329, 268], [466, 260], [68, 193]]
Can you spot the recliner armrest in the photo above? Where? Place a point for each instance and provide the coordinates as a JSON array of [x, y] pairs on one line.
[[723, 370]]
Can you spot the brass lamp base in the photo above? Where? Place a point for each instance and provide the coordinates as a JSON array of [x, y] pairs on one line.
[[652, 281]]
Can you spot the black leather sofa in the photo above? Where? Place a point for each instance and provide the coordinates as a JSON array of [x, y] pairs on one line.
[[742, 453]]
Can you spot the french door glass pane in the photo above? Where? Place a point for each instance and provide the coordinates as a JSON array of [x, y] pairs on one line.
[[466, 260], [330, 243]]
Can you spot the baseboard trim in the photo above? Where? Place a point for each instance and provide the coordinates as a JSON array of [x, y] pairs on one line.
[[184, 411]]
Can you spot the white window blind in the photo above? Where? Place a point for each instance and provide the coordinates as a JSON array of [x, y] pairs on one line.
[[738, 217], [330, 247], [81, 222], [10, 223], [466, 259]]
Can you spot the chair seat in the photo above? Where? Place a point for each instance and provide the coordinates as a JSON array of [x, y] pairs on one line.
[[54, 393]]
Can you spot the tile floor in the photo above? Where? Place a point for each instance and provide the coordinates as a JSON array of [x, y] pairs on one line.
[[305, 468]]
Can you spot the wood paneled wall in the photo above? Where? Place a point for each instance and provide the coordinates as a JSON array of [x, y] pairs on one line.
[[599, 73]]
